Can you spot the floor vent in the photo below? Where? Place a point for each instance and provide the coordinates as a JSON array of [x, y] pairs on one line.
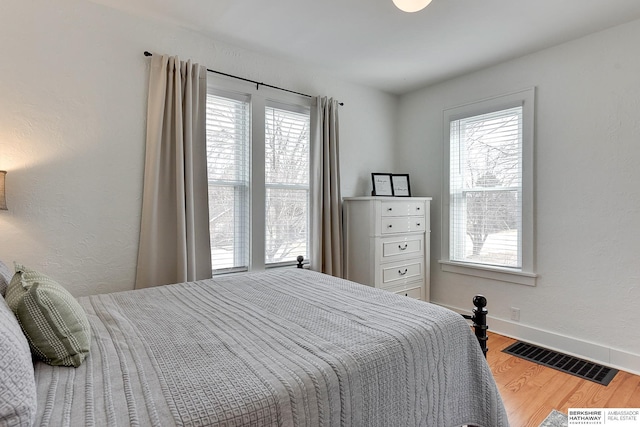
[[571, 365]]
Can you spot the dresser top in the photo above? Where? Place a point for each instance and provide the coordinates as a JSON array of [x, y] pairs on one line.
[[386, 198]]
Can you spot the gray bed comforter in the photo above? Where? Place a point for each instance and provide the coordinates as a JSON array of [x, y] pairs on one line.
[[278, 348]]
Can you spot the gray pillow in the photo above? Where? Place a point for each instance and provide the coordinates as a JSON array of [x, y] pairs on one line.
[[55, 325], [5, 277], [17, 383]]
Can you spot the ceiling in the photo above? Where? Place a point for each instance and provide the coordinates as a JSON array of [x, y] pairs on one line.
[[373, 43]]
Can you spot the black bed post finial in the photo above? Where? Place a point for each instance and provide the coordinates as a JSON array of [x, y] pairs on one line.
[[480, 322], [300, 259]]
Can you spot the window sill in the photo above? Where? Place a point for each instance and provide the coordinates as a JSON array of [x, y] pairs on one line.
[[493, 273], [284, 264], [274, 265], [223, 271]]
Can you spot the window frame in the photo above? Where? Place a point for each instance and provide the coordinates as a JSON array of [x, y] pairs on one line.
[[525, 275], [259, 98]]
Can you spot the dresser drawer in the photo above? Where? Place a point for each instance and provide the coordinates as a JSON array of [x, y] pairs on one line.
[[410, 289], [411, 293], [402, 272], [396, 247], [402, 208], [408, 224]]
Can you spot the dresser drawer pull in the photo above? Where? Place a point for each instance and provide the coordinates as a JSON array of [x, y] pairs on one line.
[[418, 208], [390, 226], [403, 248], [418, 224], [389, 209], [402, 273]]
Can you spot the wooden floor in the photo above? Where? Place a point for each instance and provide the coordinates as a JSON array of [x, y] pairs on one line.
[[530, 391]]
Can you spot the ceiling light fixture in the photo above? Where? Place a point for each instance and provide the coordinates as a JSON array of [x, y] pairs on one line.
[[411, 5]]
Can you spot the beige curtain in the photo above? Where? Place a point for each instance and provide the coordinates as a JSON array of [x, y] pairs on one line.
[[174, 233], [326, 210]]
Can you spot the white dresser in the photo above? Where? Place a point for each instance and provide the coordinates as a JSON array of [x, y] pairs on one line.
[[387, 243]]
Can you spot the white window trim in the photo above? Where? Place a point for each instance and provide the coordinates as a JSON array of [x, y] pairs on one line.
[[525, 275], [260, 97]]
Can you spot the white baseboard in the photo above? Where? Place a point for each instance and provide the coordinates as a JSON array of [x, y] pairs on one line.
[[610, 357]]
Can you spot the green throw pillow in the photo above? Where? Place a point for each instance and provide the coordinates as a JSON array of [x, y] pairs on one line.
[[54, 323]]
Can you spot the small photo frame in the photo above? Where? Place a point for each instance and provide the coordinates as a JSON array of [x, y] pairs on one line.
[[400, 185], [381, 184]]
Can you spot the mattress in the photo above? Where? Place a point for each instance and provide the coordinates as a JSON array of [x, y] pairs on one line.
[[285, 347]]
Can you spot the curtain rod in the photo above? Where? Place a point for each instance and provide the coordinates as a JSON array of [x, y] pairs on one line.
[[258, 84]]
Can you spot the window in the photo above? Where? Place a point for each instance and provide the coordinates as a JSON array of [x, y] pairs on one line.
[[258, 166], [287, 184], [486, 189], [489, 197], [228, 130]]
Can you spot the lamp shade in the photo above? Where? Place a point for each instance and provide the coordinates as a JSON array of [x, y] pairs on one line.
[[3, 200], [411, 5]]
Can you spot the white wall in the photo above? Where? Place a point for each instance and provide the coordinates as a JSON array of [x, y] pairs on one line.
[[73, 85], [587, 193]]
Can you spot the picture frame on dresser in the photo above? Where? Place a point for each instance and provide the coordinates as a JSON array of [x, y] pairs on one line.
[[400, 185], [382, 184]]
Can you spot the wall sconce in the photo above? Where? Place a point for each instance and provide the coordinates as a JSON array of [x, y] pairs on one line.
[[3, 200]]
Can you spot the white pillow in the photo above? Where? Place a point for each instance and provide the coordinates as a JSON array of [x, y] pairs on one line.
[[17, 382]]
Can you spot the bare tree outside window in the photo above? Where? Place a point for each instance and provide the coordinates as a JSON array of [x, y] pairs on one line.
[[239, 225], [228, 172], [485, 192], [286, 178], [287, 184]]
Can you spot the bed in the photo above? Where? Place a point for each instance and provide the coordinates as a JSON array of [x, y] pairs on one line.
[[284, 347]]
